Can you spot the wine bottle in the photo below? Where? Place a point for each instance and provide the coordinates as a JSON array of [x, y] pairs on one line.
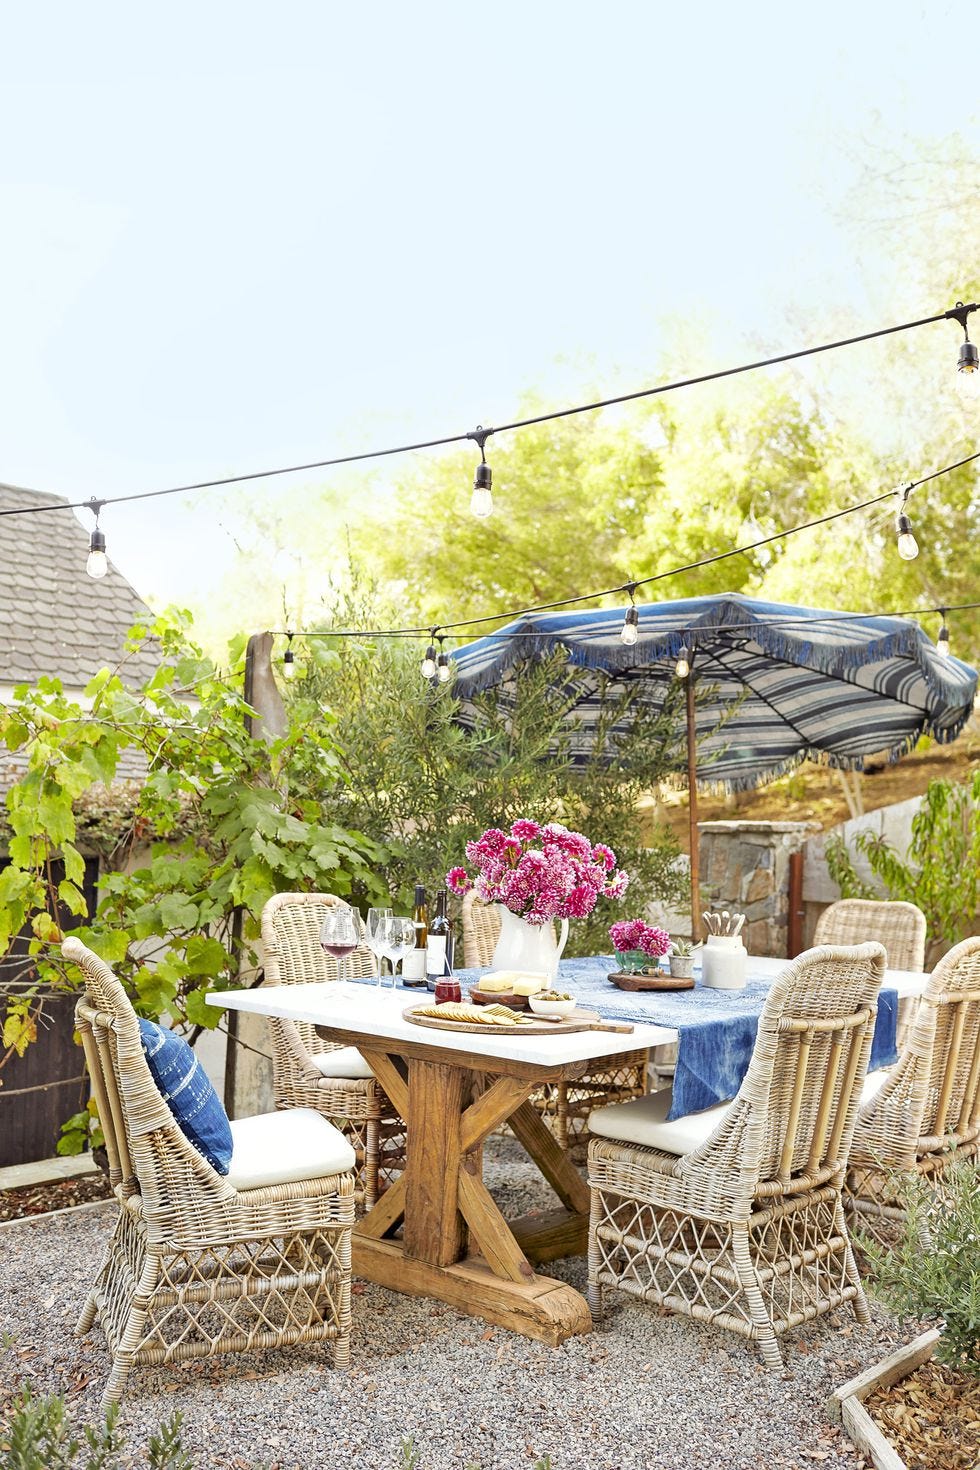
[[439, 955], [413, 965]]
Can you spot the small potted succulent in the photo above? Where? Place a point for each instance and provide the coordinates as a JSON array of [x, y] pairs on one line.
[[681, 959], [638, 945]]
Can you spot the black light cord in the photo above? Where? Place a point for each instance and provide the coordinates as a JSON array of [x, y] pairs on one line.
[[629, 588], [959, 313], [773, 622]]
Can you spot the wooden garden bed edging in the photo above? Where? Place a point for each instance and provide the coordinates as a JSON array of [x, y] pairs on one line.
[[847, 1403]]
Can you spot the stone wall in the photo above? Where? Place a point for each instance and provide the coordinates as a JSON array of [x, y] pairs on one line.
[[745, 868]]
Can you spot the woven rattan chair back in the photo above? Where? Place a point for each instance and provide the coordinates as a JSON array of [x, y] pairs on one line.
[[148, 1153], [900, 927], [481, 930], [931, 1101], [293, 955], [798, 1103]]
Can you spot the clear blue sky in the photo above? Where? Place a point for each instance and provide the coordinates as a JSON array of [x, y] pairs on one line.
[[239, 234]]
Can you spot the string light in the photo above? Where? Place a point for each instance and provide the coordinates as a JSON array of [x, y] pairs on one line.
[[429, 665], [968, 362], [289, 659], [942, 642], [908, 547], [682, 668], [443, 671], [959, 313], [97, 563], [631, 622], [481, 501]]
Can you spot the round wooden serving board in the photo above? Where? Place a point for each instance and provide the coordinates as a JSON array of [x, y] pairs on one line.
[[651, 982], [577, 1021]]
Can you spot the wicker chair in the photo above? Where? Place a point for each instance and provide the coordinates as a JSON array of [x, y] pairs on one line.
[[734, 1216], [200, 1263], [311, 1073], [915, 1116], [900, 927], [565, 1106]]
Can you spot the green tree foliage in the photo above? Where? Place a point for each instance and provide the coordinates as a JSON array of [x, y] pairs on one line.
[[219, 823], [933, 1271], [421, 785], [940, 872], [570, 501]]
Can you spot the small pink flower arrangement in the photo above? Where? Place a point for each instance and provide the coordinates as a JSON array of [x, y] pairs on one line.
[[540, 872], [632, 934]]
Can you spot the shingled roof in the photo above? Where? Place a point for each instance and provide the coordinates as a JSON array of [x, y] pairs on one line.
[[54, 618]]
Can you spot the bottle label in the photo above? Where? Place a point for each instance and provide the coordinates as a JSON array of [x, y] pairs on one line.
[[435, 955], [413, 965]]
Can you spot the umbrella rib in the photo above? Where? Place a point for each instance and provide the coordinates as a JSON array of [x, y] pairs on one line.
[[716, 658], [788, 663]]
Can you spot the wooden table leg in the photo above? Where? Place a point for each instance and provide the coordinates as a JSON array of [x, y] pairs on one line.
[[435, 1230], [441, 1193]]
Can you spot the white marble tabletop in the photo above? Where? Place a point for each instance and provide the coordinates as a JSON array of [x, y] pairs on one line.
[[364, 1010]]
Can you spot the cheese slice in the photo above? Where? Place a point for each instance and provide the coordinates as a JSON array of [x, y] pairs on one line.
[[528, 984], [499, 981]]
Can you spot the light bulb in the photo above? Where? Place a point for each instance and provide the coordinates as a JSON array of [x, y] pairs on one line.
[[442, 669], [908, 547], [428, 669], [481, 501], [98, 563], [942, 642], [631, 627], [289, 664], [968, 371], [682, 668]]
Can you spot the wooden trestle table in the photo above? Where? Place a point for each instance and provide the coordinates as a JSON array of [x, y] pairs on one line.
[[453, 1089]]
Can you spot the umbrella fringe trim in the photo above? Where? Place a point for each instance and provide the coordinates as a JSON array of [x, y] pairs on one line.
[[788, 647]]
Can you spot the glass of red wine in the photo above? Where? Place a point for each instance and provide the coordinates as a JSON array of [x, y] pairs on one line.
[[340, 934]]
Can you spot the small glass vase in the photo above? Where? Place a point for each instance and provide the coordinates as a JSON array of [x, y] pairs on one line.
[[634, 961]]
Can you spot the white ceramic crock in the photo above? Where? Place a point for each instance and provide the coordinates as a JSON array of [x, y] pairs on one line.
[[723, 962]]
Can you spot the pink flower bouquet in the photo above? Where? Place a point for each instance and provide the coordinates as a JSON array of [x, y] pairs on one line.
[[540, 873], [632, 936]]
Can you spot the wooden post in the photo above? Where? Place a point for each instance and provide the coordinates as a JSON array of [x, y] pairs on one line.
[[692, 801], [794, 927], [248, 1071]]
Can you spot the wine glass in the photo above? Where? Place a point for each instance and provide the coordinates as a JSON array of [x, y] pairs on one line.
[[399, 939], [377, 922], [339, 933]]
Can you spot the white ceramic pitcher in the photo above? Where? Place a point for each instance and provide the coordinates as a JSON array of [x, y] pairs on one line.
[[530, 947]]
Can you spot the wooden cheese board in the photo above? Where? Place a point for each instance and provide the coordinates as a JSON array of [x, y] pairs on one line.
[[579, 1020], [627, 981], [498, 998]]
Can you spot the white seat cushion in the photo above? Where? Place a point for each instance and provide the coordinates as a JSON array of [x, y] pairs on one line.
[[872, 1085], [644, 1121], [280, 1148], [346, 1061]]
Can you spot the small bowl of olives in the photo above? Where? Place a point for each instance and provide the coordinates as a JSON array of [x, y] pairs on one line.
[[552, 1003]]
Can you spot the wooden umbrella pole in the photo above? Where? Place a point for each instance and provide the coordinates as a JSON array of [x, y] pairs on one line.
[[692, 797]]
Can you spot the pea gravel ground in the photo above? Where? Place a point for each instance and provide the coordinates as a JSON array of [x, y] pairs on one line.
[[646, 1392]]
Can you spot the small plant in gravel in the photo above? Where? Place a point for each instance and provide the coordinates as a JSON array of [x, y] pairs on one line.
[[39, 1436], [933, 1271]]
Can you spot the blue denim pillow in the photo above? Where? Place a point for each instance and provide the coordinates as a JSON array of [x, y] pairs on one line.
[[187, 1091]]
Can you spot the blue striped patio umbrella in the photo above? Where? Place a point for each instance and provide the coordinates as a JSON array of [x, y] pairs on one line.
[[786, 683]]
